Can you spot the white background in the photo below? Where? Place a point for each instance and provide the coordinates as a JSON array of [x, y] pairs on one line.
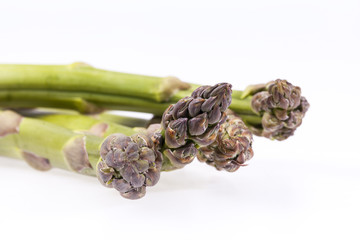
[[307, 187]]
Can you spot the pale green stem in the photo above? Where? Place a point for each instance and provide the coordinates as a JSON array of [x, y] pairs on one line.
[[62, 147], [81, 101], [122, 120], [94, 103], [84, 78], [87, 124], [251, 119]]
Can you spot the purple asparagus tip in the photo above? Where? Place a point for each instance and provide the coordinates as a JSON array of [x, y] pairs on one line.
[[282, 109], [129, 164]]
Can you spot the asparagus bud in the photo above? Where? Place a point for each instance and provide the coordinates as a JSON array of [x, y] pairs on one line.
[[282, 109], [181, 156], [129, 164], [194, 120], [232, 148]]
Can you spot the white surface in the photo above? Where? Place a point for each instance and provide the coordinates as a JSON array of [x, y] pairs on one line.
[[307, 187]]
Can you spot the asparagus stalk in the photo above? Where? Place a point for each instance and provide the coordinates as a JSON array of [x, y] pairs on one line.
[[87, 124], [61, 147], [106, 116], [86, 89], [44, 145], [101, 125], [83, 77], [83, 102], [125, 120]]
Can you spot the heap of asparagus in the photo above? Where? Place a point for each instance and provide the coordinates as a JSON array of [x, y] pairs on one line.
[[213, 123]]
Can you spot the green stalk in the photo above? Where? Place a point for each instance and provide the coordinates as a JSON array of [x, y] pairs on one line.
[[84, 78], [87, 124], [236, 94], [251, 119], [89, 127], [123, 120], [44, 145], [66, 141], [242, 106], [133, 162], [101, 118], [8, 148], [46, 99], [81, 101], [94, 103]]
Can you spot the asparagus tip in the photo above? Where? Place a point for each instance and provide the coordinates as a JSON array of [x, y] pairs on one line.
[[282, 109], [232, 148], [194, 120], [129, 164]]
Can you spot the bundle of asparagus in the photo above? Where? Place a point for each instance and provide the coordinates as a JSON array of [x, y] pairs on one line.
[[195, 122]]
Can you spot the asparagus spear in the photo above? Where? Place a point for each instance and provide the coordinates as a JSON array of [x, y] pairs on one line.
[[86, 89], [61, 147], [83, 102], [273, 110], [44, 145]]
